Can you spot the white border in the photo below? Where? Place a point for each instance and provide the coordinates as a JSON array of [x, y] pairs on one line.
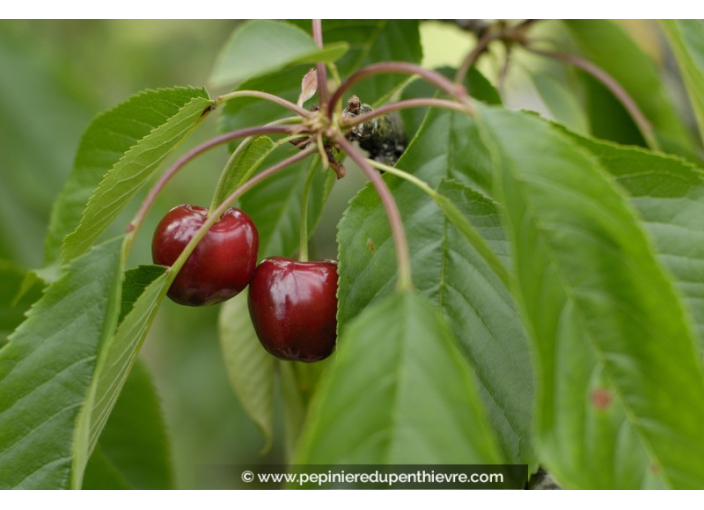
[[444, 9]]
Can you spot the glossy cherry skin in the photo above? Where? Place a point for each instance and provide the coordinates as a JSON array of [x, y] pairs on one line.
[[221, 265], [293, 306]]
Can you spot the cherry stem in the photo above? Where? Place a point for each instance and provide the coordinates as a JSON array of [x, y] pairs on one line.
[[407, 103], [323, 92], [403, 256], [303, 240], [456, 90], [137, 221], [215, 215], [263, 95], [641, 121]]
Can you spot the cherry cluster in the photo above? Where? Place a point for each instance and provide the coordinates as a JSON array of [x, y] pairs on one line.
[[293, 304]]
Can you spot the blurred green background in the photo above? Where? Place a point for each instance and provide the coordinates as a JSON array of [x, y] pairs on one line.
[[54, 77]]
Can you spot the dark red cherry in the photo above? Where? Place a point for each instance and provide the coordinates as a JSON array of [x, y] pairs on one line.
[[293, 306], [220, 266]]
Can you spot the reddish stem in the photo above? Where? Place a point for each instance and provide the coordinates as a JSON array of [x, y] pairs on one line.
[[323, 92], [403, 255], [454, 89]]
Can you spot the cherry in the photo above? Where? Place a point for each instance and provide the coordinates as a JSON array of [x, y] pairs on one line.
[[222, 263], [293, 306]]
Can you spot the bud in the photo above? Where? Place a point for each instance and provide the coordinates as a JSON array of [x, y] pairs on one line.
[[309, 85]]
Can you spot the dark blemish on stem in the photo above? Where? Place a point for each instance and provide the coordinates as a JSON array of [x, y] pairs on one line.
[[371, 245], [208, 109]]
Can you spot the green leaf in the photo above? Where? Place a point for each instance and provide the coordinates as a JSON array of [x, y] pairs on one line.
[[101, 474], [12, 309], [561, 102], [687, 40], [133, 451], [473, 203], [149, 128], [136, 282], [107, 138], [620, 382], [453, 139], [608, 46], [447, 270], [246, 162], [668, 194], [45, 370], [608, 119], [249, 366], [396, 375], [259, 47], [117, 356]]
